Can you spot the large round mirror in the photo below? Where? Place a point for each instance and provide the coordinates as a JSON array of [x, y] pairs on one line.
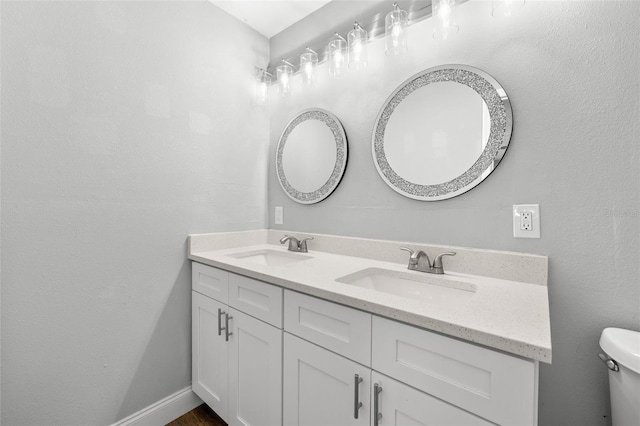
[[442, 132], [311, 156]]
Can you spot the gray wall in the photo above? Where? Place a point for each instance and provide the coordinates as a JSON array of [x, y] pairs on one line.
[[123, 130], [572, 72]]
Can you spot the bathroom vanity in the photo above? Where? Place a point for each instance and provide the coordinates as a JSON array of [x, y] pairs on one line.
[[320, 338]]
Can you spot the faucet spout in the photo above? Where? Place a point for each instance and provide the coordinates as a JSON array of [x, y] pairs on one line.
[[423, 263]]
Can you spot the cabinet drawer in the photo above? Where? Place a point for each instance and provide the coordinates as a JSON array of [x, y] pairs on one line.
[[338, 328], [491, 384], [210, 281], [258, 299], [399, 404]]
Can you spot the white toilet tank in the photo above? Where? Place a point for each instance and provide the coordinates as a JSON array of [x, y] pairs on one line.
[[622, 348]]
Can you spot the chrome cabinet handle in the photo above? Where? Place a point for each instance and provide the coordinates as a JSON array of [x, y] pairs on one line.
[[356, 395], [227, 333], [220, 327], [376, 415]]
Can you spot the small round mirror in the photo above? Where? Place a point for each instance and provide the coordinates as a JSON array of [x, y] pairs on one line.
[[311, 156]]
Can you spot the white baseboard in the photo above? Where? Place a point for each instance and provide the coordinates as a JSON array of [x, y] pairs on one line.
[[163, 411]]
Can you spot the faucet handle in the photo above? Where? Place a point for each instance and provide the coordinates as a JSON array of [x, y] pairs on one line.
[[413, 257], [437, 262], [302, 245], [284, 239], [411, 252]]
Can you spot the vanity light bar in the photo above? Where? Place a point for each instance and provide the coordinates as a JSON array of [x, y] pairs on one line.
[[353, 53], [374, 25], [417, 10]]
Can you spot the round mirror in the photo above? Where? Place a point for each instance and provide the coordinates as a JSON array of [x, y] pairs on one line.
[[311, 156], [442, 132]]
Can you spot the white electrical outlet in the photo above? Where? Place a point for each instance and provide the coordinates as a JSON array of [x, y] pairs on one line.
[[526, 221], [279, 215]]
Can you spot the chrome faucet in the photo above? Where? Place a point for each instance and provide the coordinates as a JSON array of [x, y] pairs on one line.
[[295, 245], [419, 261]]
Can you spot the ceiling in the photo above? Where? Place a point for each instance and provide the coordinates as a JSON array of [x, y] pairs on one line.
[[269, 17]]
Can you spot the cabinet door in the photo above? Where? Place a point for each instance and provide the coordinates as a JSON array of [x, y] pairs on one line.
[[255, 372], [320, 386], [209, 353], [401, 405]]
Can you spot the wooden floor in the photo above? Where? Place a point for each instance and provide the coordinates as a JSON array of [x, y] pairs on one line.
[[199, 416]]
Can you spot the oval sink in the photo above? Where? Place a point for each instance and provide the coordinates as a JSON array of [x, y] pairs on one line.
[[417, 286], [268, 257]]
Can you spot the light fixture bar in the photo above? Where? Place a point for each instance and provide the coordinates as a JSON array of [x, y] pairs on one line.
[[418, 11]]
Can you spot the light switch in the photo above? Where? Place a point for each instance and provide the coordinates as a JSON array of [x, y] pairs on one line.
[[526, 221], [279, 215]]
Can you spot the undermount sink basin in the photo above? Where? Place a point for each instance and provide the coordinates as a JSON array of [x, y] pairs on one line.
[[268, 257], [417, 285]]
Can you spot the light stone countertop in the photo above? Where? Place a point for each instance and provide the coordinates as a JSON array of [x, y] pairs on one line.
[[507, 315]]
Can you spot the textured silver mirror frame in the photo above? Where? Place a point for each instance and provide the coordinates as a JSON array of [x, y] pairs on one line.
[[499, 136], [340, 138]]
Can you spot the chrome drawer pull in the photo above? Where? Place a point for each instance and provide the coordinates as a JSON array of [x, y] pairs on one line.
[[356, 395], [220, 327], [227, 333], [376, 415]]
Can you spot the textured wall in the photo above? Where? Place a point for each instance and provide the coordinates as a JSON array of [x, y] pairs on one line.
[[572, 72], [124, 128]]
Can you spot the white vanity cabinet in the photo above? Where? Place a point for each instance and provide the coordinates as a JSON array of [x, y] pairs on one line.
[[336, 365], [237, 351]]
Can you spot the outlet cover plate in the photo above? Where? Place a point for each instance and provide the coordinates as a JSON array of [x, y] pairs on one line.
[[518, 231], [279, 215]]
